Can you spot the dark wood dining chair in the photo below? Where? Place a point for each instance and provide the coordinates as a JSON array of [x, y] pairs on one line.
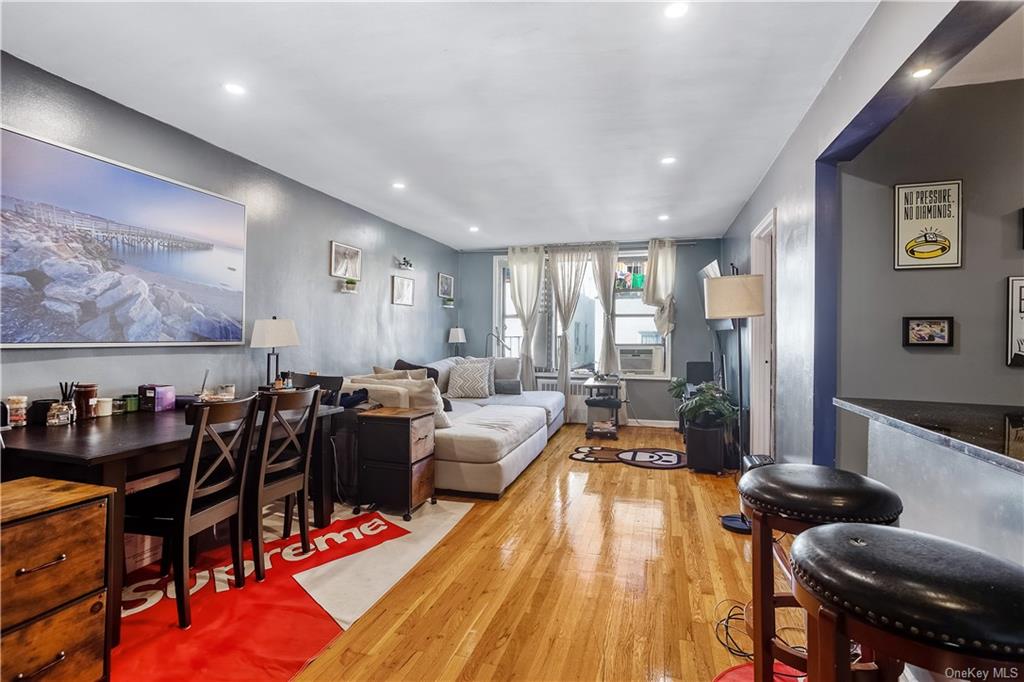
[[329, 385], [210, 489], [281, 466]]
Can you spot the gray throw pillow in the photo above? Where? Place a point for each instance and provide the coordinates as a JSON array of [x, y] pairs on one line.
[[488, 363], [506, 369], [468, 380], [508, 386]]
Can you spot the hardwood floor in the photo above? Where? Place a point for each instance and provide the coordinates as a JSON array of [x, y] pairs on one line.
[[580, 572]]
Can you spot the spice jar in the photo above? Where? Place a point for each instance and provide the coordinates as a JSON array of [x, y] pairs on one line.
[[131, 402], [117, 406], [18, 406], [85, 400], [104, 407]]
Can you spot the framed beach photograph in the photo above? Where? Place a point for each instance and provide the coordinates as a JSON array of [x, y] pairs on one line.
[[346, 261], [928, 225], [402, 290], [1015, 321], [445, 285], [928, 331], [97, 253]]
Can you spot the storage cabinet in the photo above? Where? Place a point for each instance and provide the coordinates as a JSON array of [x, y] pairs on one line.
[[53, 588], [396, 458]]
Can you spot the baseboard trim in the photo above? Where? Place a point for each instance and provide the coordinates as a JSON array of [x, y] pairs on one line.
[[657, 423]]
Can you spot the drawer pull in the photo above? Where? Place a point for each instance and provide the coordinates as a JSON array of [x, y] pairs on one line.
[[423, 438], [57, 659], [23, 571]]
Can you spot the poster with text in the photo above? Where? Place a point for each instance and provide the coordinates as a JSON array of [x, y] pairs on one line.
[[928, 225]]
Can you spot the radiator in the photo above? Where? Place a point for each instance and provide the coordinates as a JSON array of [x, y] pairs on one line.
[[575, 408]]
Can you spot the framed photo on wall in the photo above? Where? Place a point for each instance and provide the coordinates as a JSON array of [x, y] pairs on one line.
[[402, 290], [445, 285], [929, 332], [1015, 321], [346, 261], [928, 225]]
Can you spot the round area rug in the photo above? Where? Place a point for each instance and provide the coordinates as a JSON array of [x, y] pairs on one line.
[[745, 673], [646, 458]]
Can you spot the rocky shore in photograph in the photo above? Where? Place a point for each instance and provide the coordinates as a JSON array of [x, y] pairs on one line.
[[59, 286]]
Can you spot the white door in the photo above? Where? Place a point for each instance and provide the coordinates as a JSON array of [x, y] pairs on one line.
[[762, 342]]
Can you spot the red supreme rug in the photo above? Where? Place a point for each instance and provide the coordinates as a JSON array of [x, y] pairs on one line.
[[270, 630]]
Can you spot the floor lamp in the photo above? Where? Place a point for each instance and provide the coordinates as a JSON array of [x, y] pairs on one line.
[[735, 297]]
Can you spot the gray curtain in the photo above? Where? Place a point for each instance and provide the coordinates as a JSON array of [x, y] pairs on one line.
[[567, 266], [526, 275], [605, 256]]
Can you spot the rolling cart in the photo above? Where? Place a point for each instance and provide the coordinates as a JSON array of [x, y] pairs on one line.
[[603, 405]]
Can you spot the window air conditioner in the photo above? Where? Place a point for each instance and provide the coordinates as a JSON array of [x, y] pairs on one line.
[[641, 359]]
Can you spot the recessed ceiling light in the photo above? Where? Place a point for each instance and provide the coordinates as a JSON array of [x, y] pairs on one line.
[[921, 73], [676, 9], [234, 88], [668, 160], [474, 228], [663, 217], [398, 184]]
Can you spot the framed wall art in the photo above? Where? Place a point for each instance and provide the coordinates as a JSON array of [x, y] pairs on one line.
[[445, 285], [402, 290], [930, 332], [1015, 321], [346, 261], [928, 225], [97, 253]]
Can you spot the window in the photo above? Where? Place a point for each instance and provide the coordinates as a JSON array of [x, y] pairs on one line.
[[642, 351]]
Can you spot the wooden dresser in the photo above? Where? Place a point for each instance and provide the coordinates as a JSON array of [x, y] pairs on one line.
[[396, 458], [53, 586]]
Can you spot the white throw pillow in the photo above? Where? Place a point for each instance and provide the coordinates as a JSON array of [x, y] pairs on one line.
[[423, 394], [506, 369], [468, 380], [384, 373]]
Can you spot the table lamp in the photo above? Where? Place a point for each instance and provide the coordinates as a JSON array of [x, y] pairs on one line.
[[456, 335], [735, 297], [273, 334]]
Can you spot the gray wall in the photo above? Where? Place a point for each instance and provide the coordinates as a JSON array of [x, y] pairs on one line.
[[690, 341], [887, 39], [289, 228], [974, 133]]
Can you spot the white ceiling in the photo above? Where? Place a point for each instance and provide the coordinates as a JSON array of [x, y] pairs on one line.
[[1000, 57], [537, 122]]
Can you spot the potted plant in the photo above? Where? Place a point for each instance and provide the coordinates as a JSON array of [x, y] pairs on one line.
[[448, 303], [351, 284], [677, 389], [707, 414]]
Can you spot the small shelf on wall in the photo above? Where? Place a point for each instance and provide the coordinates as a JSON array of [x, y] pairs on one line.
[[344, 288]]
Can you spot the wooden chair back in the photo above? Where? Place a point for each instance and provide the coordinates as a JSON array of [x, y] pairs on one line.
[[279, 455], [217, 460], [329, 385]]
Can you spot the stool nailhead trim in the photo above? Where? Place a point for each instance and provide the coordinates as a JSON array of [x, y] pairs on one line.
[[823, 518], [976, 644]]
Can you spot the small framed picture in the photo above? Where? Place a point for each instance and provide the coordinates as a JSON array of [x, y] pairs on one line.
[[346, 261], [1013, 444], [402, 290], [1015, 321], [445, 285], [927, 331], [928, 223]]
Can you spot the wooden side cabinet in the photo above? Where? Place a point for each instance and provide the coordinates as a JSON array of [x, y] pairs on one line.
[[53, 585], [396, 458]]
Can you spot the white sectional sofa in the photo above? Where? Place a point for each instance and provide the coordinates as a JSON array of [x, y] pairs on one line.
[[491, 440]]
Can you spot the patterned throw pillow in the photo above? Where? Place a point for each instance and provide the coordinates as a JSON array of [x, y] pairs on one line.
[[468, 380], [487, 362]]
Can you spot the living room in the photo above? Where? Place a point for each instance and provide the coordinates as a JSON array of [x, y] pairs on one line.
[[512, 340]]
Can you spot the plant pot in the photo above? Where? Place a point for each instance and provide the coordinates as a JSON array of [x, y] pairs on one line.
[[705, 448]]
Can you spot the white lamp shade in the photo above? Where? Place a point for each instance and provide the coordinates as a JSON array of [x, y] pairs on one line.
[[734, 296], [456, 335], [274, 334]]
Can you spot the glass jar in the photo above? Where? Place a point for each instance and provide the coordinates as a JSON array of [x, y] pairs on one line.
[[131, 402], [85, 400], [117, 406], [18, 410]]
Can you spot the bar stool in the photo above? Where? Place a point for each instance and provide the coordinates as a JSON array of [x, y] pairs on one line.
[[912, 598], [792, 498]]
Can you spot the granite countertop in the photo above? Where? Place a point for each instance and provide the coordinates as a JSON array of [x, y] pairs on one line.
[[993, 433]]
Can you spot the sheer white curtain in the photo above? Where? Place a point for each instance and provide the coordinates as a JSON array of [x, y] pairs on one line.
[[661, 279], [567, 266], [604, 258], [526, 275]]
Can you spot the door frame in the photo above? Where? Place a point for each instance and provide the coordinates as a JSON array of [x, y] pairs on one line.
[[763, 261]]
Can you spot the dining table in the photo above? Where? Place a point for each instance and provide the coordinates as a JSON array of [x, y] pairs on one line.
[[119, 449]]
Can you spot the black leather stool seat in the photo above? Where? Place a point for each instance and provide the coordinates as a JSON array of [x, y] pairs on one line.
[[916, 585], [819, 494]]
